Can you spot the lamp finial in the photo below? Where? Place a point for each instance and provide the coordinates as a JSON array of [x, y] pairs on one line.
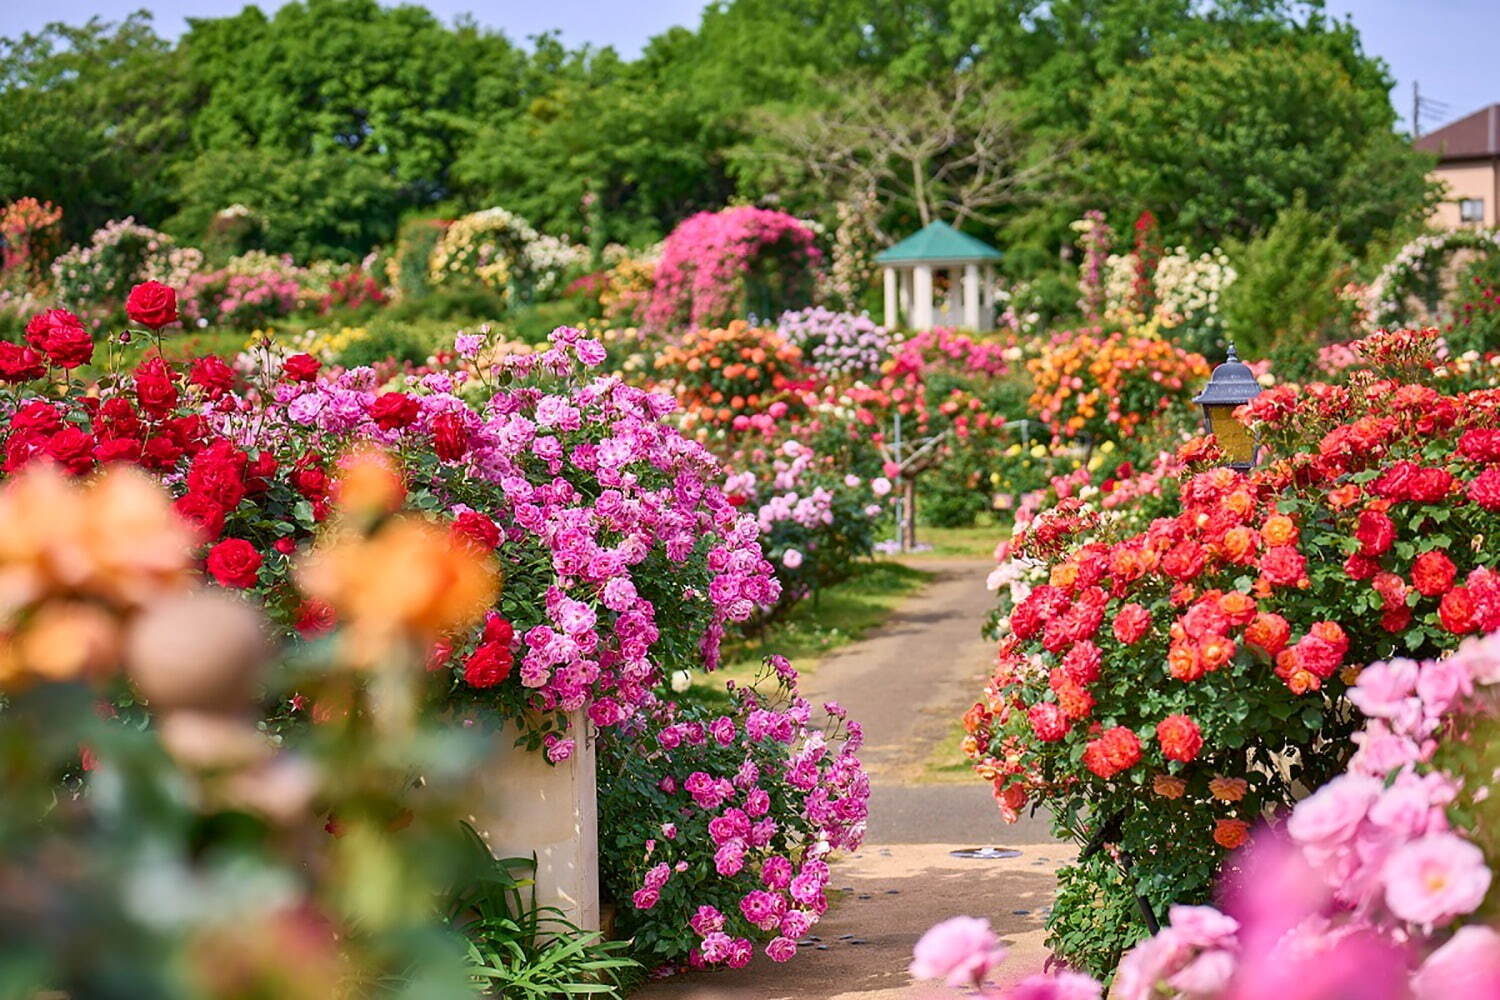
[[1232, 356]]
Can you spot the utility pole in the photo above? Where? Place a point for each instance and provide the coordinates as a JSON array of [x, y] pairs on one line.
[[1416, 111]]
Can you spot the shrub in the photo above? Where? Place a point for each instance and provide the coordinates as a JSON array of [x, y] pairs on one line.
[[721, 823], [726, 377], [499, 250], [838, 346], [95, 278], [1146, 659], [717, 266]]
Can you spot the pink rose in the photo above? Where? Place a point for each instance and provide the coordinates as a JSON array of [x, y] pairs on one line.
[[1436, 878], [1062, 986], [1467, 966], [1329, 816], [960, 951], [1382, 688], [781, 949]]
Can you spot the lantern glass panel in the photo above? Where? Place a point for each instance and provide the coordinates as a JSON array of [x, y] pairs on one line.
[[1233, 437]]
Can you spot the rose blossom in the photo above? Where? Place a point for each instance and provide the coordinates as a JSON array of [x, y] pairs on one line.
[[960, 951], [1435, 878]]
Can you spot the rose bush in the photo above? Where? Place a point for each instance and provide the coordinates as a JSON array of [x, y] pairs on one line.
[[1166, 675], [722, 823], [623, 556], [726, 378]]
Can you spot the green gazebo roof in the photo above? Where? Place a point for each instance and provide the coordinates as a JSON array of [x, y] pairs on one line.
[[935, 242]]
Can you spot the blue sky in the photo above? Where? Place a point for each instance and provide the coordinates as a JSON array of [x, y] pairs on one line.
[[1445, 45]]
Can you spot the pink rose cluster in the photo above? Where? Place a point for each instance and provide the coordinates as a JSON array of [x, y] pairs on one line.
[[760, 798], [239, 299], [962, 952], [706, 259], [1366, 893]]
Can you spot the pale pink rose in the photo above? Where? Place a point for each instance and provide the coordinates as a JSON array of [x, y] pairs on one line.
[[1382, 751], [880, 486], [1208, 975], [1203, 926], [1329, 816], [1467, 966], [791, 558], [1148, 964], [1431, 880], [1442, 685], [1383, 687], [1062, 986], [960, 951]]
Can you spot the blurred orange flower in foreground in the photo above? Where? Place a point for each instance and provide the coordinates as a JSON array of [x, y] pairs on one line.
[[409, 580], [74, 559]]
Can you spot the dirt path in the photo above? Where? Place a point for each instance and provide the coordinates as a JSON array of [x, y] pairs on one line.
[[906, 684]]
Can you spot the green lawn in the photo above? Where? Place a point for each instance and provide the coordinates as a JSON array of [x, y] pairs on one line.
[[953, 543], [839, 615]]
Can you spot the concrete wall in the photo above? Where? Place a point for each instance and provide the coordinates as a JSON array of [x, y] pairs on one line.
[[529, 805], [1465, 180]]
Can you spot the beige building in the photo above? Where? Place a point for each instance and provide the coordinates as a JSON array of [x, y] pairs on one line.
[[1468, 153]]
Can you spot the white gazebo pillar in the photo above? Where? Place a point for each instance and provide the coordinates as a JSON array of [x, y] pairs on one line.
[[971, 296], [891, 317], [988, 304], [921, 311]]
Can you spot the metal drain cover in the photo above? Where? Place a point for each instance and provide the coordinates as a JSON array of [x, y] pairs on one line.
[[986, 853]]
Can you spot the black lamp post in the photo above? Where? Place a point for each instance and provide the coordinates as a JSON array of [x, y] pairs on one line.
[[1232, 385]]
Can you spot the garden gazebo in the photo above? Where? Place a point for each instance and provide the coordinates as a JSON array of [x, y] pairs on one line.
[[938, 276]]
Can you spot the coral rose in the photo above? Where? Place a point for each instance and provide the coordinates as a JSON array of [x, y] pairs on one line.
[[1118, 749], [1168, 787], [1047, 721], [1228, 789], [1458, 611], [1132, 622], [1179, 737], [1376, 532]]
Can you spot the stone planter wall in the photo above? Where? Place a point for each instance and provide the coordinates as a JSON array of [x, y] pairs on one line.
[[528, 805]]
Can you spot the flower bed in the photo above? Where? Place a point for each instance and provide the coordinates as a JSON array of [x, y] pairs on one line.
[[724, 378], [1174, 675]]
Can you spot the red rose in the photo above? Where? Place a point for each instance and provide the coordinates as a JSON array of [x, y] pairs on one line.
[[203, 512], [1395, 482], [211, 375], [1360, 567], [154, 389], [1432, 573], [301, 368], [437, 656], [1458, 611], [1269, 632], [20, 364], [36, 417], [1485, 489], [1395, 619], [117, 450], [190, 432], [259, 472], [161, 453], [43, 325], [477, 528], [68, 345], [234, 563], [152, 305], [1179, 737], [1184, 561], [1132, 622], [1118, 749], [1047, 721], [1480, 444], [218, 472], [117, 419], [309, 478], [450, 438], [72, 449], [1392, 590], [498, 629], [394, 410], [314, 618], [488, 665], [1430, 485], [1376, 532]]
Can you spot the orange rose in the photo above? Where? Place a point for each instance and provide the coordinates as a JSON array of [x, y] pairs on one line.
[[1215, 652], [1239, 544], [1237, 607], [1344, 497], [1231, 833], [1168, 787], [1279, 530], [1228, 789], [1184, 662]]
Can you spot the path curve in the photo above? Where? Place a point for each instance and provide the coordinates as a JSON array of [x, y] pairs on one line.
[[906, 683]]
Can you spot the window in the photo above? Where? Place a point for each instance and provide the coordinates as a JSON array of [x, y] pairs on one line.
[[1471, 210]]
